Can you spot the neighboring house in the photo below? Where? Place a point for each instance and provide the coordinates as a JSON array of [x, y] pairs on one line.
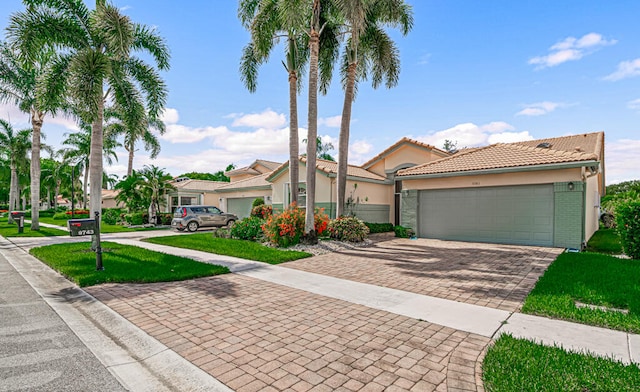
[[247, 184], [109, 199], [542, 192], [369, 192], [193, 192]]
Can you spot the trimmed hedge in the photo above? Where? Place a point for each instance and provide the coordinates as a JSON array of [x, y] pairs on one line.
[[628, 220], [379, 227], [403, 232]]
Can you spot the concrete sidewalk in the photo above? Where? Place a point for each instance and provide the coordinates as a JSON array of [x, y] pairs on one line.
[[98, 348]]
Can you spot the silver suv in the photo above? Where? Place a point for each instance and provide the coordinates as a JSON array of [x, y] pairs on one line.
[[193, 217]]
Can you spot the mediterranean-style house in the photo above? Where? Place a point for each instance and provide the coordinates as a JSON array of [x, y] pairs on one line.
[[540, 192]]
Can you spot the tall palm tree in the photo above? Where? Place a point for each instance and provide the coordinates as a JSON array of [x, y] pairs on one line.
[[369, 51], [96, 63], [13, 147], [129, 192], [18, 82], [134, 132], [155, 183], [79, 154]]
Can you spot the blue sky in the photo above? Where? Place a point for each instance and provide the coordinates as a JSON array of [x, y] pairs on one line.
[[472, 72]]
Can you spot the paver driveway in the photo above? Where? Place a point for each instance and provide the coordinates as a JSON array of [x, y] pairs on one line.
[[258, 336], [492, 275]]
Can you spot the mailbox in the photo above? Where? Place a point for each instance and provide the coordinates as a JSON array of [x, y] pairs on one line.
[[18, 216], [80, 227]]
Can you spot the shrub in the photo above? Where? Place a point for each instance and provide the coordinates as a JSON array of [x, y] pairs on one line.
[[135, 218], [348, 228], [262, 211], [111, 216], [285, 229], [248, 229], [403, 232], [257, 202], [628, 220], [47, 213], [165, 219], [77, 214], [379, 227], [222, 233]]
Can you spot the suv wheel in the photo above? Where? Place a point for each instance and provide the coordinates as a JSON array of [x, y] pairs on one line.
[[231, 223], [192, 226]]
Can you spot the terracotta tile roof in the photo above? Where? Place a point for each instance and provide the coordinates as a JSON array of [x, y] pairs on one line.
[[496, 156], [251, 168], [330, 167], [404, 140], [109, 193], [198, 185], [253, 182], [587, 142]]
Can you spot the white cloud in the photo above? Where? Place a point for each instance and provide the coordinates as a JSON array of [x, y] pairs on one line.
[[539, 108], [626, 69], [267, 119], [20, 119], [634, 105], [472, 135], [170, 116], [359, 152], [622, 160], [570, 49], [332, 122], [176, 133]]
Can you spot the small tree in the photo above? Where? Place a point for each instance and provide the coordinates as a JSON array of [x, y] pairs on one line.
[[628, 219]]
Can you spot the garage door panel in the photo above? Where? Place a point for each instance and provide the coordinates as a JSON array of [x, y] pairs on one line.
[[510, 214]]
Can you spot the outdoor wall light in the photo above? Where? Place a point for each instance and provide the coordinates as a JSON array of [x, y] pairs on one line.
[[570, 186]]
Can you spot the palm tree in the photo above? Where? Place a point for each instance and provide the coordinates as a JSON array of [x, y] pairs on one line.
[[129, 192], [155, 183], [14, 147], [79, 155], [96, 63], [371, 52], [18, 82], [134, 132]]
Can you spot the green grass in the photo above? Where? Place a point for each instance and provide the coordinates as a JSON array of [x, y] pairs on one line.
[[223, 246], [605, 241], [122, 264], [590, 278], [104, 228], [7, 230], [520, 365]]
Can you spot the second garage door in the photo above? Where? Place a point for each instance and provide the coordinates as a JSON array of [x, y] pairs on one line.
[[507, 214], [240, 206]]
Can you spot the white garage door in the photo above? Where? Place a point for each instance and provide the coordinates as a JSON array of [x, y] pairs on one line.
[[507, 215], [240, 206]]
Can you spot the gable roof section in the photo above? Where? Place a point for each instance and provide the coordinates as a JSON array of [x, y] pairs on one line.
[[330, 169], [251, 168], [198, 185], [514, 155], [256, 182], [397, 145], [110, 193]]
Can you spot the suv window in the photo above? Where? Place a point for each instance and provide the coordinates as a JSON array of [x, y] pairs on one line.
[[197, 210], [178, 212], [214, 210]]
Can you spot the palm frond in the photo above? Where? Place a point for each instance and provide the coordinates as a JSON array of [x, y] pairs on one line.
[[115, 30], [147, 39]]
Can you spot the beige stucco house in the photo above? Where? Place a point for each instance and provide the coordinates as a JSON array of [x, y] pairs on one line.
[[541, 192], [193, 192], [109, 199], [247, 184]]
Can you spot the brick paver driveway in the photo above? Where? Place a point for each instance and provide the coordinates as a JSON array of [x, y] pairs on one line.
[[258, 336], [493, 275]]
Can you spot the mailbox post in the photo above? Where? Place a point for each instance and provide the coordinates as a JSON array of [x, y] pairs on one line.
[[88, 226], [18, 217]]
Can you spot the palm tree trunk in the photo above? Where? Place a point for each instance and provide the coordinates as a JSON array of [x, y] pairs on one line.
[[130, 164], [36, 123], [95, 160], [13, 190], [294, 165], [56, 192], [343, 144], [314, 46], [84, 187]]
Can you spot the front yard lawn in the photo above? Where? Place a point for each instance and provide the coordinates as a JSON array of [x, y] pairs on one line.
[[593, 279], [520, 365], [229, 247], [7, 230], [122, 264], [605, 241]]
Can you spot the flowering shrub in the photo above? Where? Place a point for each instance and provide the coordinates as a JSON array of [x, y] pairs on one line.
[[285, 229], [628, 219], [262, 211], [77, 214], [248, 229], [348, 228]]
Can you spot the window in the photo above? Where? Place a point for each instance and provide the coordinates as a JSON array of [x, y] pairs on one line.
[[302, 194]]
